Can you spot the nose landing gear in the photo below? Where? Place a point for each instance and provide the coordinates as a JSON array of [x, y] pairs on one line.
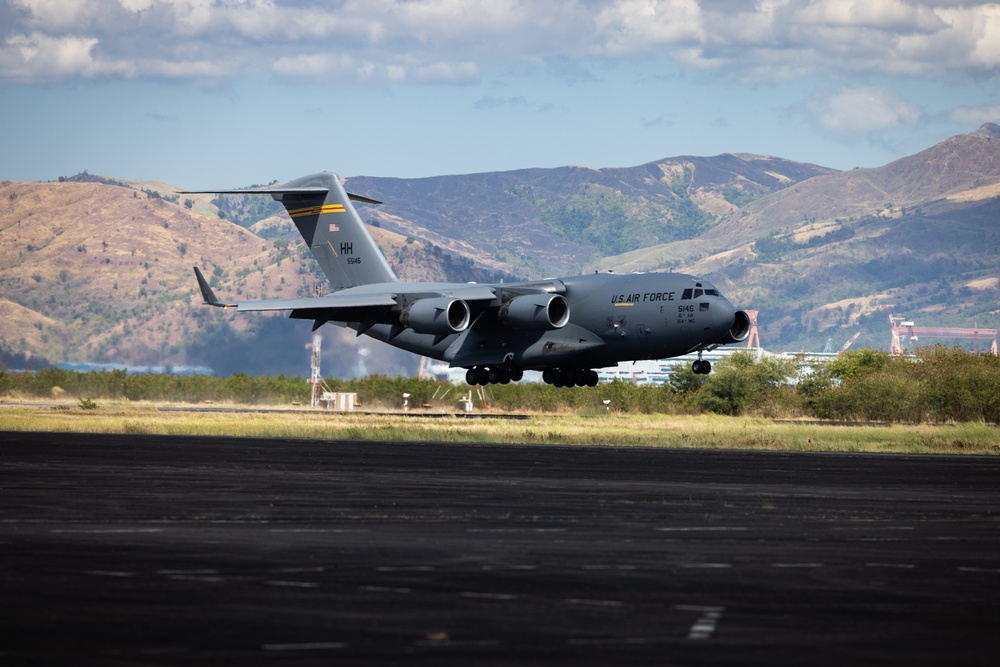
[[701, 366]]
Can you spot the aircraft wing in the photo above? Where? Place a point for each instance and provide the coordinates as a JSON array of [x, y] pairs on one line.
[[359, 304]]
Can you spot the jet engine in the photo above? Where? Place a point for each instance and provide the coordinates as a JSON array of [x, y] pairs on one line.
[[438, 315], [539, 312], [739, 331]]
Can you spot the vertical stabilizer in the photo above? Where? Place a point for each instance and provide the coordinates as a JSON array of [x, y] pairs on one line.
[[322, 211]]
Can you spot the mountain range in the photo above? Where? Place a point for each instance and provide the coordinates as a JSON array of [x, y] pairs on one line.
[[94, 268]]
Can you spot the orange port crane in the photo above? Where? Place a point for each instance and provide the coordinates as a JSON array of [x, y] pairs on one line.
[[908, 329]]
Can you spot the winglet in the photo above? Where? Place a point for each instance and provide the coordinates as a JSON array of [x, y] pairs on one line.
[[207, 294]]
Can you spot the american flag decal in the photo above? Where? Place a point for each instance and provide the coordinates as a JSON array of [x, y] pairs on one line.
[[334, 228]]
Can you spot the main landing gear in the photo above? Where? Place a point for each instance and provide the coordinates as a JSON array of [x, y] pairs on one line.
[[503, 374], [570, 377]]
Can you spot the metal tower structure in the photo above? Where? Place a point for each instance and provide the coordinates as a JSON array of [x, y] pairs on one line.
[[907, 329], [315, 378], [753, 340], [850, 341]]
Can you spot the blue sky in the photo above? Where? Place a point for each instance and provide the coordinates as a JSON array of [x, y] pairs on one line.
[[221, 93]]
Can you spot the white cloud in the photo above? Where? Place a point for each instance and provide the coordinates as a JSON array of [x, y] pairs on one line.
[[453, 40], [39, 57], [989, 113], [852, 113]]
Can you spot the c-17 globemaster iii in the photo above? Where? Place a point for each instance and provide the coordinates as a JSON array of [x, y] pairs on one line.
[[564, 327]]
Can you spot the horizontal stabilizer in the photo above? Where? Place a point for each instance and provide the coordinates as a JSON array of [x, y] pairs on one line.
[[301, 192], [207, 294]]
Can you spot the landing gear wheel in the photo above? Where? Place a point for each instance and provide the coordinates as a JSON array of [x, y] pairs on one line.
[[471, 377], [701, 367]]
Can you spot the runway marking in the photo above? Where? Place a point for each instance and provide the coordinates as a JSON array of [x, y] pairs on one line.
[[706, 566], [879, 539], [702, 529], [293, 584], [210, 576], [104, 531], [792, 565], [306, 646], [706, 623], [443, 643], [320, 530], [293, 570], [385, 589], [901, 566], [494, 530], [987, 570], [488, 596], [405, 568], [596, 603], [108, 573]]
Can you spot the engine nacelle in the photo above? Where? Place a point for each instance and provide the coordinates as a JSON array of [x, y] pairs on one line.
[[538, 312], [439, 315], [739, 331]]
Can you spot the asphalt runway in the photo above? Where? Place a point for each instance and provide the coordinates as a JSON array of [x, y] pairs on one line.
[[155, 550]]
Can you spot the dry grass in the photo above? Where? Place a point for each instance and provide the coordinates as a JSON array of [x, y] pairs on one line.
[[710, 432]]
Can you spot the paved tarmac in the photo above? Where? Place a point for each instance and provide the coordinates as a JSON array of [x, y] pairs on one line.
[[154, 550]]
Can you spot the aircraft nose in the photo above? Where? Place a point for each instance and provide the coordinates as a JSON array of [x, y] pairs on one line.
[[724, 315]]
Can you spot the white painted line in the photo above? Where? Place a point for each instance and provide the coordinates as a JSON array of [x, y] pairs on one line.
[[293, 584], [493, 530], [596, 603], [706, 623], [191, 577], [699, 608], [987, 570], [405, 568], [108, 573], [385, 589], [293, 570], [791, 565], [307, 646], [452, 643], [900, 566], [190, 572], [702, 529], [706, 566], [105, 531], [320, 530], [488, 596]]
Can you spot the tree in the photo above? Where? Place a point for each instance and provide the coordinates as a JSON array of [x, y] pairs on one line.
[[743, 379]]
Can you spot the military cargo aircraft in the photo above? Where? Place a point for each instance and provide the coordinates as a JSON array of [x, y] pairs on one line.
[[564, 327]]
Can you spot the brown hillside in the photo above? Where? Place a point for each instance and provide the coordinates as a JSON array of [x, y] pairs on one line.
[[953, 168], [113, 266]]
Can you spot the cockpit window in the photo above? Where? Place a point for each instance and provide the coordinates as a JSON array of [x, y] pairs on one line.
[[696, 292]]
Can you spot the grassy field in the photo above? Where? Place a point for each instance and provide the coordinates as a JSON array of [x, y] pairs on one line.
[[595, 428]]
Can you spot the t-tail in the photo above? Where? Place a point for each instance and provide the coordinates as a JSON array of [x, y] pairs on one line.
[[322, 211]]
